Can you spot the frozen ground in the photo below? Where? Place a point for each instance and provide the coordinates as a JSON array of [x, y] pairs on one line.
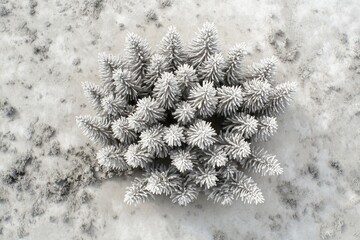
[[48, 186]]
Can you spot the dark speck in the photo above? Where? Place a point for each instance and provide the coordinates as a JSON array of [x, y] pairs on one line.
[[76, 61], [313, 170], [336, 165]]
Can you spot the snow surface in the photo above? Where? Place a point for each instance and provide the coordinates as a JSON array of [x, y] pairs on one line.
[[48, 189]]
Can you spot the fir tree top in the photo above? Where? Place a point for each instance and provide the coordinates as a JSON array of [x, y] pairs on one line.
[[188, 120]]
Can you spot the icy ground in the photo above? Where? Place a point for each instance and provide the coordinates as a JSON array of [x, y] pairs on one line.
[[48, 187]]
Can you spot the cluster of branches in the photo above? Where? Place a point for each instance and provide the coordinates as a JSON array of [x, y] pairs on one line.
[[187, 118]]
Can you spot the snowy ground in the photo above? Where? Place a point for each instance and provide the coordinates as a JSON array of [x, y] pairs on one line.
[[48, 189]]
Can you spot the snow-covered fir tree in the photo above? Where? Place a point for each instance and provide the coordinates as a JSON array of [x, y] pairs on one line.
[[186, 121]]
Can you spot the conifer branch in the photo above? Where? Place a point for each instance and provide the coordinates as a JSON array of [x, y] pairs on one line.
[[187, 79], [215, 156], [172, 48], [246, 189], [279, 98], [183, 159], [235, 146], [242, 123], [212, 69], [126, 85], [261, 162], [203, 98], [166, 91], [138, 56], [137, 193], [115, 106], [238, 186], [163, 180], [108, 64], [222, 193], [201, 135], [96, 129], [267, 128], [94, 94], [264, 71], [184, 194], [136, 156], [204, 45], [256, 94], [174, 135], [136, 123], [230, 99], [233, 65], [147, 112], [122, 131], [184, 113], [205, 177], [228, 171], [158, 65], [152, 141], [112, 158]]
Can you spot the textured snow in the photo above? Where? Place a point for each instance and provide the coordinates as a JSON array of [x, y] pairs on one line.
[[48, 189]]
